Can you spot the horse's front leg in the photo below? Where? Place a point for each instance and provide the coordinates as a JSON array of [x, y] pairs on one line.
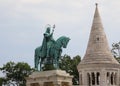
[[40, 64], [36, 62], [58, 55]]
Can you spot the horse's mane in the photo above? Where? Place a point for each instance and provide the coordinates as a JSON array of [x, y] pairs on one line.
[[61, 38]]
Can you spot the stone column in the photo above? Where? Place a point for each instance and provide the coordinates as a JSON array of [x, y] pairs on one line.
[[84, 78], [113, 78], [103, 78], [118, 78], [80, 78], [110, 78], [90, 78], [95, 73]]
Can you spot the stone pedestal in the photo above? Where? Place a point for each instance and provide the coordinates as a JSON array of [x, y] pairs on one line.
[[49, 78]]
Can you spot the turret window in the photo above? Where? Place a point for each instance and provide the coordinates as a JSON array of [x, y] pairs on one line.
[[98, 78], [93, 78], [98, 39], [111, 78]]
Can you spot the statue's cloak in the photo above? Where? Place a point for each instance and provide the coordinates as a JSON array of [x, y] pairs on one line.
[[44, 48]]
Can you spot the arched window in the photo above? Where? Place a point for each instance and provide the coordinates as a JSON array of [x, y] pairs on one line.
[[93, 78], [108, 78], [112, 78], [98, 78]]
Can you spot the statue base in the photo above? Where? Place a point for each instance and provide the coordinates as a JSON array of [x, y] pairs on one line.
[[49, 78]]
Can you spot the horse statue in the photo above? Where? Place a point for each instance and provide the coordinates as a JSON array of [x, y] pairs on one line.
[[55, 53]]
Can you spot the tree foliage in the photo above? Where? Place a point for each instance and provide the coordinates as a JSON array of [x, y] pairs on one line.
[[16, 73], [70, 66], [116, 51], [1, 81]]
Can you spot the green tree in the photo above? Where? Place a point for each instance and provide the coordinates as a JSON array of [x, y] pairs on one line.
[[70, 66], [1, 81], [16, 73], [65, 63], [116, 51], [76, 60]]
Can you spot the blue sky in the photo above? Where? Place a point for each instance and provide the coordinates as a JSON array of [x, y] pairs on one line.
[[22, 24]]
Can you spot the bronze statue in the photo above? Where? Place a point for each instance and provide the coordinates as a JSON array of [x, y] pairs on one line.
[[50, 51]]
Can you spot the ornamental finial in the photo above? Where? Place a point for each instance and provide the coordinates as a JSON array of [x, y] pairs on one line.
[[96, 4]]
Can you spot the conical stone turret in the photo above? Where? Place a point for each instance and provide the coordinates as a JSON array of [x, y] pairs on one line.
[[98, 50], [98, 67]]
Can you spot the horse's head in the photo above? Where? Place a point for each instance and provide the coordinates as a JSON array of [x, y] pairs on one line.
[[65, 41]]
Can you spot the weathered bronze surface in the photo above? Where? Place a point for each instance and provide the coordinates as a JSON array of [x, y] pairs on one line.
[[50, 51]]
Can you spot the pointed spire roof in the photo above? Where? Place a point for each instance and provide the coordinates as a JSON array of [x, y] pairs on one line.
[[98, 50], [97, 19]]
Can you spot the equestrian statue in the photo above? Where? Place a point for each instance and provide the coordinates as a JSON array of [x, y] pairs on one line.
[[50, 50]]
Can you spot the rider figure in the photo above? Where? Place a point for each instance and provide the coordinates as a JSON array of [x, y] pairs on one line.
[[49, 40]]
